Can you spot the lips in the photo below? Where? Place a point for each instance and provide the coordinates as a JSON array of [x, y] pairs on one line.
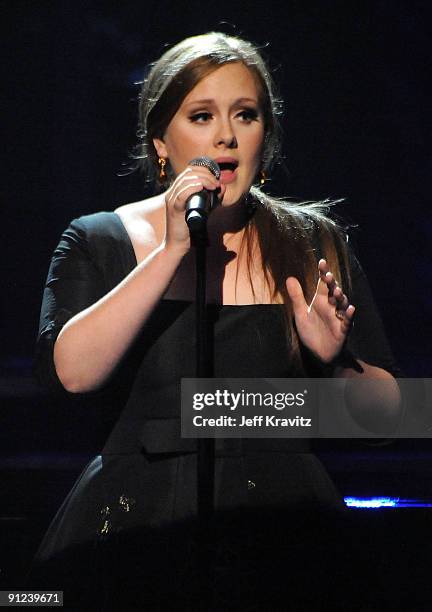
[[228, 167]]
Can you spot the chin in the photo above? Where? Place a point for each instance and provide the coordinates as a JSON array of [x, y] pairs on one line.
[[233, 197]]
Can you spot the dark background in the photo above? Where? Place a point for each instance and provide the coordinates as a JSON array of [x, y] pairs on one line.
[[354, 77]]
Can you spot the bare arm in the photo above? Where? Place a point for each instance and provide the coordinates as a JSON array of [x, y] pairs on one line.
[[92, 342]]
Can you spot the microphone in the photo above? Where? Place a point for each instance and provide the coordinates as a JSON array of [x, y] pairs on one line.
[[198, 205]]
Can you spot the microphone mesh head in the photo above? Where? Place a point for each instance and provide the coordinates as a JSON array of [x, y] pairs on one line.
[[208, 163]]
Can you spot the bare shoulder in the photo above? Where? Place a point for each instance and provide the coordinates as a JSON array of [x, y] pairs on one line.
[[144, 222]]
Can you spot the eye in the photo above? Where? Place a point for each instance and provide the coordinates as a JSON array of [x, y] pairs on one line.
[[201, 117], [248, 115]]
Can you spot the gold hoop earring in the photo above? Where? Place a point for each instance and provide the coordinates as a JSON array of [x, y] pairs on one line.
[[263, 177], [162, 174]]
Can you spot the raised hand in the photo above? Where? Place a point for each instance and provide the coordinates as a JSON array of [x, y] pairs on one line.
[[324, 324]]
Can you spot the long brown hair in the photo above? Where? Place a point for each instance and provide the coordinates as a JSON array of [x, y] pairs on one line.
[[288, 235], [291, 237]]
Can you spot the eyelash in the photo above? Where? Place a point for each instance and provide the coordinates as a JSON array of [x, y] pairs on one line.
[[195, 118], [248, 115]]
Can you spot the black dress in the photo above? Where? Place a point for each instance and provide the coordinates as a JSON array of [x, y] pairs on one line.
[[126, 534]]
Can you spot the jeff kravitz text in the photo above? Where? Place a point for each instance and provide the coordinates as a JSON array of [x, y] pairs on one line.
[[255, 421]]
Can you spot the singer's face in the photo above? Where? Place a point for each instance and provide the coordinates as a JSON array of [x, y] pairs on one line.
[[220, 118]]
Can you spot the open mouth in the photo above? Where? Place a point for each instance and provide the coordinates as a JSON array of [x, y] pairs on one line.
[[227, 166]]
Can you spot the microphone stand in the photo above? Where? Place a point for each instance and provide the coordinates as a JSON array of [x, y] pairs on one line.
[[206, 446]]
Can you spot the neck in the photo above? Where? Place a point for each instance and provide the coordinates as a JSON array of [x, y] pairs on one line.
[[230, 219]]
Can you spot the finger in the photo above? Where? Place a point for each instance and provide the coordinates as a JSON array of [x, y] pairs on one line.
[[328, 284], [335, 293], [323, 266], [347, 318], [202, 173], [296, 295], [340, 298], [349, 312]]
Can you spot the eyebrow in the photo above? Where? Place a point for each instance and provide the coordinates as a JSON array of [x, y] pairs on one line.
[[211, 101]]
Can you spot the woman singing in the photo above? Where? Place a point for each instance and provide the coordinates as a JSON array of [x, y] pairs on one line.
[[118, 318]]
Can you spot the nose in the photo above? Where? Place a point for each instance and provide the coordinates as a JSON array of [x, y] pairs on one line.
[[225, 135]]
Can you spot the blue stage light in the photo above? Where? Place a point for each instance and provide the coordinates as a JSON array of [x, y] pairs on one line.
[[385, 502]]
